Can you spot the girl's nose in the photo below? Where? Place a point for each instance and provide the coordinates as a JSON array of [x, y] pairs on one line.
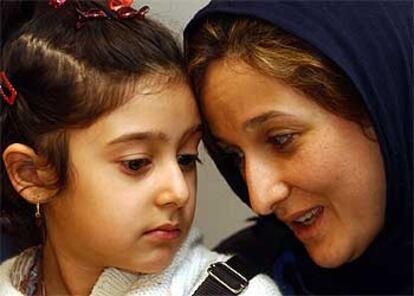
[[175, 191]]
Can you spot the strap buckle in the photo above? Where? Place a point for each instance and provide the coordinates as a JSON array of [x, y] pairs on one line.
[[228, 277]]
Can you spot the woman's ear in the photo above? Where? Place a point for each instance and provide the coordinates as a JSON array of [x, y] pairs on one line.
[[29, 173], [370, 133]]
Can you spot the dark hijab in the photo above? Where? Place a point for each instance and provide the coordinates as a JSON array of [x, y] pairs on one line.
[[371, 41]]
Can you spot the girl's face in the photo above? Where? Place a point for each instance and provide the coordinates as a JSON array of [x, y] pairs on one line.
[[317, 172], [131, 194]]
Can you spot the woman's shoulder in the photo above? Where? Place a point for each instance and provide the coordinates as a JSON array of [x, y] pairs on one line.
[[6, 287]]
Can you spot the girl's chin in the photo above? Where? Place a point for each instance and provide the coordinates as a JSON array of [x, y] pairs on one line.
[[156, 267], [154, 264]]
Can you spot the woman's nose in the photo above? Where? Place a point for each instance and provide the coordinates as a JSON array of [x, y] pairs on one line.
[[174, 190], [265, 185]]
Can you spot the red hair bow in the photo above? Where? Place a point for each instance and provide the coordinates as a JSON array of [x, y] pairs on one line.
[[117, 4], [112, 4], [124, 10], [5, 85], [56, 3]]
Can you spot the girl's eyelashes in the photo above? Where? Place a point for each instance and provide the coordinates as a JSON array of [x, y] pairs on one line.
[[282, 141], [136, 166], [188, 161]]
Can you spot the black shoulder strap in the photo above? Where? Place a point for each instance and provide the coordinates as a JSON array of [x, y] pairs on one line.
[[227, 278]]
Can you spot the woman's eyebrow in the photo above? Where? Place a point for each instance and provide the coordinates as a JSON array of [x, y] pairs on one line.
[[254, 122]]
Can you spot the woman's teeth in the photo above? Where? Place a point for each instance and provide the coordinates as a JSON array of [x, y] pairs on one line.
[[308, 217]]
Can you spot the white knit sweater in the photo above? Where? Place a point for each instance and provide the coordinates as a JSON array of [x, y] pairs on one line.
[[180, 278]]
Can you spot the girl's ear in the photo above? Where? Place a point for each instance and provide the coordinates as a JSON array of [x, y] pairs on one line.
[[29, 173]]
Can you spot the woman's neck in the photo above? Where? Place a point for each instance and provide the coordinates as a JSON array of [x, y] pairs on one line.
[[64, 275]]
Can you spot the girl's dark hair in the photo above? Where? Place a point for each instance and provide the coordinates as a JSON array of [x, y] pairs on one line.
[[67, 78]]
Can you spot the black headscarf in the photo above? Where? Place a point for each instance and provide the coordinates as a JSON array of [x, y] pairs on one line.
[[371, 41]]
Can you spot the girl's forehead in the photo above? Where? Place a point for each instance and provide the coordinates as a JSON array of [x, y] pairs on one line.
[[164, 113]]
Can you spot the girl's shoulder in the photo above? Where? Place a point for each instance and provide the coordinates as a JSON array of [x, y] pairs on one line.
[[261, 285], [6, 286], [260, 243], [192, 263], [15, 271]]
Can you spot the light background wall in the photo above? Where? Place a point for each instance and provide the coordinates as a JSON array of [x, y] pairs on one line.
[[219, 212]]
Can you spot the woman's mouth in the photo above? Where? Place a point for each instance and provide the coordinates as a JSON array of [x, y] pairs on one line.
[[305, 223], [309, 217]]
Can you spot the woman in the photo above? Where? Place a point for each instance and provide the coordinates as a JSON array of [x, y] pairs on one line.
[[309, 114]]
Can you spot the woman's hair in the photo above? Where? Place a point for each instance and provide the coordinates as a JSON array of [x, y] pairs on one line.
[[67, 77], [276, 53]]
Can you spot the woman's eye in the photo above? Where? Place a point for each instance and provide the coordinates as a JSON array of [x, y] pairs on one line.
[[136, 165], [188, 161], [282, 141]]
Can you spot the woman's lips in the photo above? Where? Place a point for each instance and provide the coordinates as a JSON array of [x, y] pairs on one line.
[[306, 224], [164, 232]]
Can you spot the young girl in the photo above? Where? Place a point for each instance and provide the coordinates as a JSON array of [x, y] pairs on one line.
[[99, 148]]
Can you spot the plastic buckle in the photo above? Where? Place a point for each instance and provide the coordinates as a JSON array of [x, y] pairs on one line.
[[228, 277]]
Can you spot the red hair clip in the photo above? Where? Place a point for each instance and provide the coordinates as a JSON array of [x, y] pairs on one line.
[[92, 13], [56, 3], [121, 8], [117, 4], [5, 84], [128, 12], [124, 10]]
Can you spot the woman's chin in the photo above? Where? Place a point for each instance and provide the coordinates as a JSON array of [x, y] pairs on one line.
[[327, 258]]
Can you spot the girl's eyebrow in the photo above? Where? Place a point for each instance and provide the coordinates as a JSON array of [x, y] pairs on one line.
[[151, 135], [139, 136]]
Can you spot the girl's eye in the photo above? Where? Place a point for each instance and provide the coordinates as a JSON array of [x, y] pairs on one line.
[[136, 165], [188, 161], [282, 141]]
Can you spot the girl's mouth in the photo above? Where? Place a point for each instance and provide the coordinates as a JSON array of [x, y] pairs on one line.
[[167, 231]]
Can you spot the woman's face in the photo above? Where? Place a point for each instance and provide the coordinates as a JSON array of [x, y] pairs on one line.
[[317, 172], [131, 195]]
